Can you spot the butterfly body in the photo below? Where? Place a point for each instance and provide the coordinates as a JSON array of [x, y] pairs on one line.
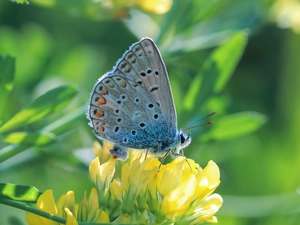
[[132, 105]]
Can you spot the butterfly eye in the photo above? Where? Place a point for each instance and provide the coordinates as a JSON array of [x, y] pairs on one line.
[[182, 138]]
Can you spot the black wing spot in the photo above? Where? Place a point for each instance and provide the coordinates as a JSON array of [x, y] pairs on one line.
[[118, 78], [119, 102], [125, 140], [107, 81], [137, 100], [117, 129], [155, 116], [119, 120], [117, 111], [133, 132], [153, 89], [156, 73], [143, 74], [149, 71], [123, 96], [142, 125], [140, 82], [150, 105], [123, 65]]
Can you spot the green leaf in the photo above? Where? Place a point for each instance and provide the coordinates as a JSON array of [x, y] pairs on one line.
[[216, 71], [24, 138], [7, 75], [51, 102], [21, 193], [234, 125], [227, 57]]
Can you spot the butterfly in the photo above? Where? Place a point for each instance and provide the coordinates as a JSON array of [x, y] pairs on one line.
[[133, 107]]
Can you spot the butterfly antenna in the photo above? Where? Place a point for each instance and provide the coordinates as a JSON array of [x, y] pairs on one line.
[[193, 125]]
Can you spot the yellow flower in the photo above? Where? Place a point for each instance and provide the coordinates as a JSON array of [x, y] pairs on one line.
[[287, 14], [155, 6], [65, 207], [102, 175], [192, 199], [45, 203], [143, 190], [102, 152]]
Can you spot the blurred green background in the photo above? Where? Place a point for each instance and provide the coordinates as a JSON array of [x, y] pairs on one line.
[[255, 139]]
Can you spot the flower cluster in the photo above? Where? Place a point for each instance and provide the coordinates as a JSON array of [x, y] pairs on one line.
[[141, 191], [145, 191], [87, 210]]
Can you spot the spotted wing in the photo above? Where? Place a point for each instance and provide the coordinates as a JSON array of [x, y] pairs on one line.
[[124, 112], [144, 65]]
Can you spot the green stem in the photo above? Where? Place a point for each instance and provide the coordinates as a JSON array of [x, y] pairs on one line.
[[33, 210], [41, 213]]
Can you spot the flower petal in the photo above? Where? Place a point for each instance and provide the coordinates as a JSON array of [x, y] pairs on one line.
[[71, 220], [177, 202]]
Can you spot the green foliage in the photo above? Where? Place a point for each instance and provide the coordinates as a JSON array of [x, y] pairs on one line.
[[234, 125], [51, 102], [221, 56], [216, 71], [20, 193], [7, 73]]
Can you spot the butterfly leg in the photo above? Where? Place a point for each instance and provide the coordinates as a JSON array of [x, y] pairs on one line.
[[119, 152], [146, 154]]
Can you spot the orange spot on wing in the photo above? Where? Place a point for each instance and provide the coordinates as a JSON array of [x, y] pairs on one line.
[[104, 91], [101, 101], [100, 113], [123, 84], [101, 127], [127, 69]]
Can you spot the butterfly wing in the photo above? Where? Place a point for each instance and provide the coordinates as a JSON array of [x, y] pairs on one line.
[[122, 111], [143, 64], [132, 105]]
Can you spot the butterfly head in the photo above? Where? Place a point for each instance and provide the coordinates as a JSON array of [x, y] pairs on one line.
[[185, 139]]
